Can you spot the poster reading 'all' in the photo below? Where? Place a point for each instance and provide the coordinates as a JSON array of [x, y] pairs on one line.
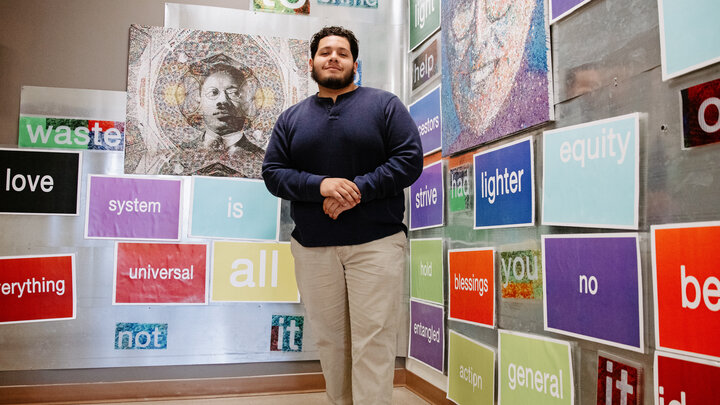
[[37, 288], [687, 286], [160, 273], [471, 276]]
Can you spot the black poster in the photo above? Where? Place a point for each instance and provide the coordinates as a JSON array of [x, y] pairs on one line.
[[39, 182]]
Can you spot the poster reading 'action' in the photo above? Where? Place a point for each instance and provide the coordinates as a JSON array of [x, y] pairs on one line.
[[37, 288], [471, 275], [471, 371], [160, 273]]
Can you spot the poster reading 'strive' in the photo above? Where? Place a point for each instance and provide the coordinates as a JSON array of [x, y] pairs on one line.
[[496, 75], [562, 8], [534, 370], [37, 288], [593, 288], [253, 272], [687, 35], [282, 6], [426, 114], [471, 371], [204, 103], [505, 186], [701, 114], [683, 380], [39, 182], [590, 174], [427, 334], [685, 279], [471, 274], [132, 207], [426, 270], [521, 274], [160, 273], [427, 198], [424, 20], [233, 209]]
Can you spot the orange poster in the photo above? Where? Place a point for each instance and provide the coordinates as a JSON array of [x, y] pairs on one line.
[[471, 281]]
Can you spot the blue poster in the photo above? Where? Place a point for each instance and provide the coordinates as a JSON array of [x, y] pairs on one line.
[[590, 174], [426, 113], [593, 288], [232, 208], [505, 186], [427, 198]]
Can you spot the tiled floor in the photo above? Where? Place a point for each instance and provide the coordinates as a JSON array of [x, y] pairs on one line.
[[401, 396]]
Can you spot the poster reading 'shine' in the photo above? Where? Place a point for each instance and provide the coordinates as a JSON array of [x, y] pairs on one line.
[[205, 103]]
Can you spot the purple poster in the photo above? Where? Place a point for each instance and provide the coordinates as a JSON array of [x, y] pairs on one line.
[[427, 198], [561, 8], [427, 334], [593, 289], [133, 208]]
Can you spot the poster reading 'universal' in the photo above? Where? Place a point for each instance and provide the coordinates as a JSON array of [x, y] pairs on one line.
[[496, 70], [204, 103]]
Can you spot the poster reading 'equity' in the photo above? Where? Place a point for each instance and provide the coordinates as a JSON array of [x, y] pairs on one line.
[[471, 371], [233, 209], [427, 198], [593, 288], [683, 380], [534, 370], [427, 334], [253, 272], [160, 273], [590, 174], [37, 288], [685, 276], [131, 207], [426, 270], [471, 274]]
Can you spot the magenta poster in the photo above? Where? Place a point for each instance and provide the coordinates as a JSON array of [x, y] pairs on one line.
[[562, 8], [133, 208]]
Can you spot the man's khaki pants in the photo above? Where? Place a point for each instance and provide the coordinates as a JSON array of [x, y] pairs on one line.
[[352, 298]]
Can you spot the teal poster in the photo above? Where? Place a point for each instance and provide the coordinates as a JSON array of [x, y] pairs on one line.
[[232, 208], [591, 172]]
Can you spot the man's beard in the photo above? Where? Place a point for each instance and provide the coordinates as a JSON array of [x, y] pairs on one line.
[[334, 83]]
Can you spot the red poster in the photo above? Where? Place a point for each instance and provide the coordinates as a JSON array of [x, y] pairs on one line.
[[160, 273], [37, 288], [687, 288], [701, 114], [682, 380], [472, 286]]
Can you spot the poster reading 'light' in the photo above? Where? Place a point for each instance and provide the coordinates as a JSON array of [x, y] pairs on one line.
[[427, 198], [496, 76]]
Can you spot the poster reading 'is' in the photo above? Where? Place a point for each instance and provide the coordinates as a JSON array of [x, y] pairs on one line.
[[496, 76], [204, 103]]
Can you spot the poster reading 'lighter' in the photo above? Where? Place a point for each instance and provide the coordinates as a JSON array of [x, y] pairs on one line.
[[496, 70], [202, 102]]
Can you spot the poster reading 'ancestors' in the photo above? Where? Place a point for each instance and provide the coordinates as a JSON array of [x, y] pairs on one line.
[[204, 103]]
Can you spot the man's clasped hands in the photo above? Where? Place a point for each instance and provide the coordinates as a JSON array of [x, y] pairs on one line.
[[340, 195]]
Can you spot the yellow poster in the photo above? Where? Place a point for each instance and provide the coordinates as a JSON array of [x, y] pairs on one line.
[[253, 272]]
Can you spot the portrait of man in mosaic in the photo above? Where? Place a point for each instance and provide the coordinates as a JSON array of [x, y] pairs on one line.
[[496, 70], [204, 103]]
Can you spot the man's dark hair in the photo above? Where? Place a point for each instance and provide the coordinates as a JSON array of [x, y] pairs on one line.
[[337, 31]]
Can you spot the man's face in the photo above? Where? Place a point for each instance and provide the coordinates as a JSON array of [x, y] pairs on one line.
[[333, 66], [224, 102], [485, 52]]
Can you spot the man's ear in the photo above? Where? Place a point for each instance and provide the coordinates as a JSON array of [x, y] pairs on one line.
[[310, 65]]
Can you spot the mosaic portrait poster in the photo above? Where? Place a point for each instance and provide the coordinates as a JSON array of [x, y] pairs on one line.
[[204, 103], [282, 6], [496, 71]]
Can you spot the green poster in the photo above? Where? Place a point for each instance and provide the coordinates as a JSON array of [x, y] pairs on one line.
[[471, 371], [534, 370], [282, 6], [41, 132], [459, 192], [424, 20], [426, 270]]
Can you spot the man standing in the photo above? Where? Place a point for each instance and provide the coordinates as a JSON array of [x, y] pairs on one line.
[[343, 157]]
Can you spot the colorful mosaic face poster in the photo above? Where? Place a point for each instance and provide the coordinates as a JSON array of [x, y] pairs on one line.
[[282, 6], [686, 35], [593, 288], [618, 382], [426, 270], [534, 370], [496, 70], [562, 8], [204, 103], [424, 20], [426, 114], [427, 334], [521, 274], [471, 371], [427, 198], [683, 380], [701, 114], [471, 274], [686, 287]]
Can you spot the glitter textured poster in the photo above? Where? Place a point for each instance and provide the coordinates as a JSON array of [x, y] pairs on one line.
[[496, 70], [202, 102]]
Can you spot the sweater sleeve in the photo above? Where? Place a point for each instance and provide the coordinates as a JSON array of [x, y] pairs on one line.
[[405, 157], [281, 178]]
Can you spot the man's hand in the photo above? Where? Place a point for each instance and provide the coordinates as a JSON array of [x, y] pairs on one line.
[[342, 190], [333, 208]]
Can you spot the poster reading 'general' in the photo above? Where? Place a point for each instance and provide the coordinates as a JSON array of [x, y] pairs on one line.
[[205, 103]]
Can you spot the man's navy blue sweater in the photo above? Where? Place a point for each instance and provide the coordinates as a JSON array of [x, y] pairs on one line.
[[366, 136]]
